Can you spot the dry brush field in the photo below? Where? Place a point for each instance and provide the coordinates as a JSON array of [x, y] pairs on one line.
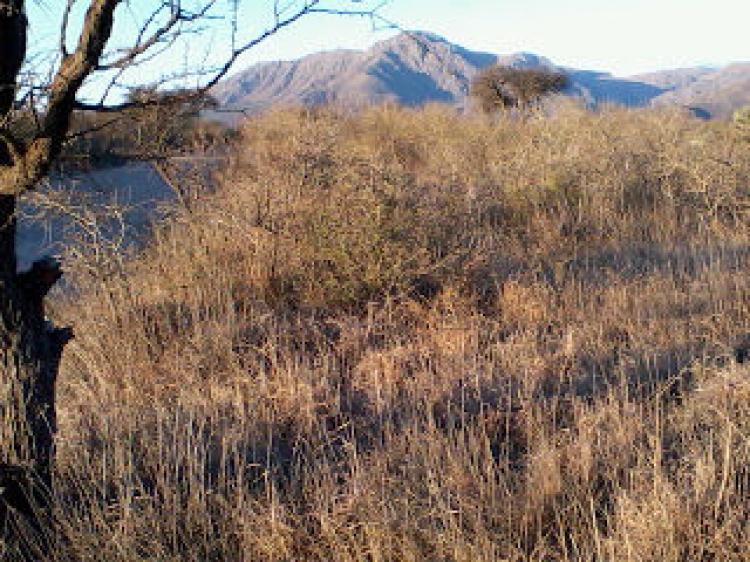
[[412, 335]]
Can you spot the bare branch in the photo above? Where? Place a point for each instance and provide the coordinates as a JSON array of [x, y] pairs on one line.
[[157, 32], [64, 28], [179, 16], [33, 163], [95, 129], [310, 7]]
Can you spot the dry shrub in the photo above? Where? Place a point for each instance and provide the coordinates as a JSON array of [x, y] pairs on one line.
[[409, 335]]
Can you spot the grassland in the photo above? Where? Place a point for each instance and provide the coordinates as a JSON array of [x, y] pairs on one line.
[[412, 335]]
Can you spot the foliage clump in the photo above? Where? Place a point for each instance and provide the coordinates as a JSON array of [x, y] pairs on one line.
[[501, 87], [160, 124]]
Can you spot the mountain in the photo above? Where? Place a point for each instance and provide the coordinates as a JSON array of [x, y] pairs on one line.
[[408, 69], [414, 68], [673, 79], [716, 93]]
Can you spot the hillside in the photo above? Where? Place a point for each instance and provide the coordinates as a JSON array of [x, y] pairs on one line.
[[417, 67], [717, 93], [404, 70]]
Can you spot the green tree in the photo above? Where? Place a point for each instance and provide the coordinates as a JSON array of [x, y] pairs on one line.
[[501, 87]]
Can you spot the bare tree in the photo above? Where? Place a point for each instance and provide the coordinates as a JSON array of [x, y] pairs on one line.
[[30, 346]]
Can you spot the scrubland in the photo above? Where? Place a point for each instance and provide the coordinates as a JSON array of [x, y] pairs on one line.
[[414, 335]]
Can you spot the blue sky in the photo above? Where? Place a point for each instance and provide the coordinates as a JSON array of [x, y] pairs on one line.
[[621, 36]]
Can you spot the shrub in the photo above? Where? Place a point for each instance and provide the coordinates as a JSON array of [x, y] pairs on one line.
[[258, 386], [742, 116]]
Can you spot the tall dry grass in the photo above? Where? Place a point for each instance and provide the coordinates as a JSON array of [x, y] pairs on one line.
[[411, 335]]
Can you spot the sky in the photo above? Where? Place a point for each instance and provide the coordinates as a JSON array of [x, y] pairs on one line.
[[624, 37]]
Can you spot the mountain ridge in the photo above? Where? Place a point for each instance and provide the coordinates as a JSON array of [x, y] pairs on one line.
[[419, 67]]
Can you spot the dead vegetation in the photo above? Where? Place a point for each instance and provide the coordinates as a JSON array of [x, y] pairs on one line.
[[410, 335]]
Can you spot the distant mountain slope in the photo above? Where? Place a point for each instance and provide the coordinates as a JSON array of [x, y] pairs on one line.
[[402, 69], [717, 93], [417, 67], [673, 79]]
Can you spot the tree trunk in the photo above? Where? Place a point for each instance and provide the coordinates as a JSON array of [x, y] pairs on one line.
[[30, 352], [30, 348]]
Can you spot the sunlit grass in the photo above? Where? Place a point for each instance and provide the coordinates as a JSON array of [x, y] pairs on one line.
[[412, 335]]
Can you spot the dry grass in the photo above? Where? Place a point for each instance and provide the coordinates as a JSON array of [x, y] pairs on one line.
[[409, 335]]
